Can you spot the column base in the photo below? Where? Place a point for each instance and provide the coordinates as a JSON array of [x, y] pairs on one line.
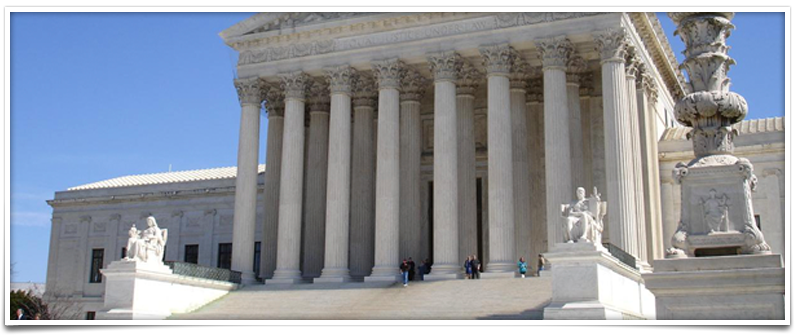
[[497, 275], [248, 278], [334, 275], [443, 276], [500, 267], [383, 278], [286, 277]]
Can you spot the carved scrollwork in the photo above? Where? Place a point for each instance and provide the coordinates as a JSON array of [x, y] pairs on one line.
[[412, 85], [611, 44], [274, 101], [365, 93], [249, 91], [468, 79], [444, 65], [498, 58], [319, 96], [679, 172], [340, 78], [520, 73], [295, 84], [555, 51], [388, 73]]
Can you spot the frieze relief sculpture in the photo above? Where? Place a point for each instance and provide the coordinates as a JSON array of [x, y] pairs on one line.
[[148, 245], [583, 218]]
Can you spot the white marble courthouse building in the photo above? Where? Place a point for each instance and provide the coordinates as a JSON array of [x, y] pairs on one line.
[[423, 135]]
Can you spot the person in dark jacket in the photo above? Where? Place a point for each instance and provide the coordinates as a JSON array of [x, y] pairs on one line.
[[468, 267], [412, 266], [21, 315], [404, 271], [476, 268]]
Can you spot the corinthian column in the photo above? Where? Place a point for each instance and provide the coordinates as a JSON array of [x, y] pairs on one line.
[[631, 68], [290, 199], [387, 188], [555, 53], [498, 60], [647, 100], [338, 192], [521, 165], [618, 161], [535, 153], [467, 82], [250, 94], [274, 104], [574, 69], [363, 178], [412, 90], [444, 67], [317, 170]]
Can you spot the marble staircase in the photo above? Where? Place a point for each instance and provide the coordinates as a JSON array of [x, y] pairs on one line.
[[513, 298]]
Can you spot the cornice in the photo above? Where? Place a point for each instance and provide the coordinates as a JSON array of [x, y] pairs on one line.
[[413, 27], [147, 197], [656, 43]]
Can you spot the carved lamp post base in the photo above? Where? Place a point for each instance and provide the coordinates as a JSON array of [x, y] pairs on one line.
[[717, 211]]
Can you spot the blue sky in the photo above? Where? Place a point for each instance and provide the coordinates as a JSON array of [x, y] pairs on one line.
[[102, 95]]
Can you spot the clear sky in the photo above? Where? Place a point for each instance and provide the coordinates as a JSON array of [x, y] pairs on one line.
[[101, 95]]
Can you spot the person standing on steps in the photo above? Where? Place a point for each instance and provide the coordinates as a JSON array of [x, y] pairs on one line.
[[541, 264], [476, 268], [468, 267], [404, 272], [411, 269], [522, 266]]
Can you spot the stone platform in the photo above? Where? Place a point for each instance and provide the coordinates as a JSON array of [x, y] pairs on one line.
[[744, 287]]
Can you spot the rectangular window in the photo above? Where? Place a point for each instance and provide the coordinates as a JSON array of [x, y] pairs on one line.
[[192, 254], [257, 251], [225, 255], [91, 315], [97, 258]]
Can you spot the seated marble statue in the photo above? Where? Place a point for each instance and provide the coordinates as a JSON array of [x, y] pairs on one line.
[[582, 218], [149, 245]]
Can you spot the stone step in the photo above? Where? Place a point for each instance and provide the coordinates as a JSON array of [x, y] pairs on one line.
[[513, 298]]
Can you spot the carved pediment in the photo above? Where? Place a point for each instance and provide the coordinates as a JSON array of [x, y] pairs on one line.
[[292, 20], [266, 22]]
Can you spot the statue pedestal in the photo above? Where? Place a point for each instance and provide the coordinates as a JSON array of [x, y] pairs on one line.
[[743, 287], [130, 288], [136, 290], [590, 284]]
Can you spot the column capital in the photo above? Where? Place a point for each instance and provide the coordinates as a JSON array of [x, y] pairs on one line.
[[412, 85], [611, 44], [646, 83], [295, 84], [249, 91], [586, 84], [388, 73], [575, 68], [555, 51], [274, 101], [520, 73], [498, 58], [444, 65], [365, 93], [468, 79], [632, 61], [535, 90], [340, 78], [319, 97]]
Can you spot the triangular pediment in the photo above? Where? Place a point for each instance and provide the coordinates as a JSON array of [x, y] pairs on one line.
[[265, 22]]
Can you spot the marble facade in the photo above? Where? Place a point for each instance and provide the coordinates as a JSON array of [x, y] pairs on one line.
[[423, 135]]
